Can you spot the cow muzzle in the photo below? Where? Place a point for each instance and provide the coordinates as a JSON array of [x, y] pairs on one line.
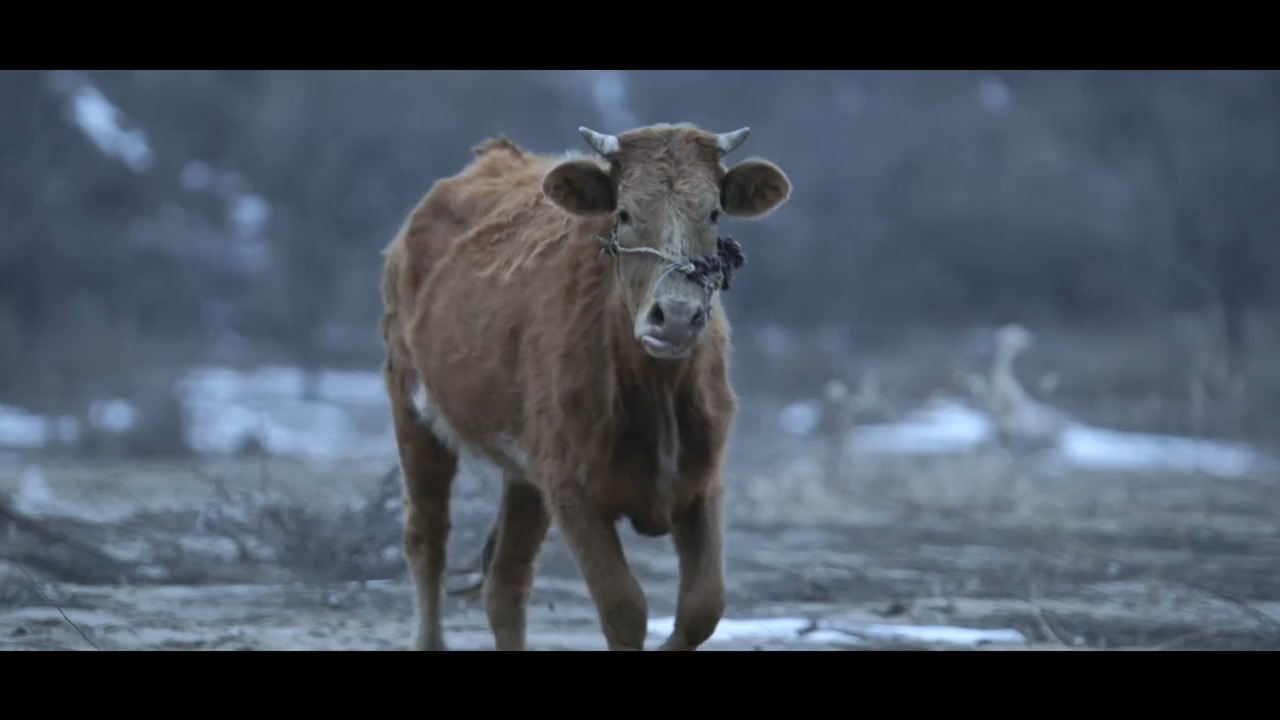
[[671, 328]]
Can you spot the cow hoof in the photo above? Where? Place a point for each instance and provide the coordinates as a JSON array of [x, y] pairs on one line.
[[422, 644], [671, 644]]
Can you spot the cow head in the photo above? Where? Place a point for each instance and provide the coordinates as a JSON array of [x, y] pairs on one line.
[[667, 189]]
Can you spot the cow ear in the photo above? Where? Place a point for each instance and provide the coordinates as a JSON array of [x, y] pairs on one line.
[[753, 189], [581, 187]]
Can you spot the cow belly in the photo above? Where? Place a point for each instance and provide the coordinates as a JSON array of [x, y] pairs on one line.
[[649, 523], [646, 502], [500, 448], [429, 415]]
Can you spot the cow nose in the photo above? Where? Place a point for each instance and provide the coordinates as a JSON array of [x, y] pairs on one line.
[[699, 319], [677, 316]]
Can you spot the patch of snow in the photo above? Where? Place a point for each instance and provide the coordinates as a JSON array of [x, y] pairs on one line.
[[102, 123], [114, 415], [942, 428], [1098, 449], [932, 634], [949, 426], [742, 629], [800, 418], [249, 214], [219, 428], [354, 387], [34, 496], [308, 429], [282, 382], [21, 429], [228, 407], [316, 430], [803, 630]]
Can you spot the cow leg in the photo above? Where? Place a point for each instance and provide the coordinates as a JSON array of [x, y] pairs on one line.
[[428, 467], [521, 527], [697, 534], [593, 540]]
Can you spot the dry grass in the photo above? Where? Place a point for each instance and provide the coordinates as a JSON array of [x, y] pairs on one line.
[[1080, 562], [234, 535], [1169, 377]]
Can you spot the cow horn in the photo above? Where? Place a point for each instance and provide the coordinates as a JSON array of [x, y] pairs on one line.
[[604, 144], [730, 141]]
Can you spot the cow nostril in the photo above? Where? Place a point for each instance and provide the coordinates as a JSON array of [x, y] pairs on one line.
[[699, 318], [656, 316]]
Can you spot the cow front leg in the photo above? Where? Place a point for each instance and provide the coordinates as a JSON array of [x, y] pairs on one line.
[[593, 540], [698, 537]]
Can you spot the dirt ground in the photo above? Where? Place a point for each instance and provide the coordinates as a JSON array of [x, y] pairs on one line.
[[866, 553]]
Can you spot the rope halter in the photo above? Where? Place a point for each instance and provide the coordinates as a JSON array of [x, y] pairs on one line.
[[713, 270]]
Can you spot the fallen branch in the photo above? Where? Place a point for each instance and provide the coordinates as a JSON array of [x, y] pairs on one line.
[[55, 606], [104, 566], [1050, 633]]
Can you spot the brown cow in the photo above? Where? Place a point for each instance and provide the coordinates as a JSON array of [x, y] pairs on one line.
[[596, 376]]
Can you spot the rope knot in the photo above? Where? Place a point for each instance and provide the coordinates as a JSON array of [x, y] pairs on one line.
[[608, 247], [724, 261]]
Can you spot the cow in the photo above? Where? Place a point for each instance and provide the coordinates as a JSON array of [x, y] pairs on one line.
[[560, 316]]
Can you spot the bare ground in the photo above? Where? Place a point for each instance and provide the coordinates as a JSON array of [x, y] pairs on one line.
[[253, 555]]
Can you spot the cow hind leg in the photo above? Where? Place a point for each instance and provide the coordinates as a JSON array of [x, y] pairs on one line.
[[428, 467], [517, 537]]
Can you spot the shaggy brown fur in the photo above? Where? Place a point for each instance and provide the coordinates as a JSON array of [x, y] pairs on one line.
[[509, 335]]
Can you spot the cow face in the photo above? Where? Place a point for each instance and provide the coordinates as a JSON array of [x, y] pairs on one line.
[[668, 191]]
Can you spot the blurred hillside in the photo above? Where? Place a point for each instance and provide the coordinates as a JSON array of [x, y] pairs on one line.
[[155, 220]]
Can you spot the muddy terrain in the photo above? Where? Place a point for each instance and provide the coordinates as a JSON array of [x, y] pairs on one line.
[[981, 550]]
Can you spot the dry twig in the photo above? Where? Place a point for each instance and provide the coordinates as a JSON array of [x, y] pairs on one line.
[[55, 605], [1262, 617], [1049, 631]]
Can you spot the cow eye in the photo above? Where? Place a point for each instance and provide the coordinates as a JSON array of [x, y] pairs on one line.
[[715, 215], [624, 217]]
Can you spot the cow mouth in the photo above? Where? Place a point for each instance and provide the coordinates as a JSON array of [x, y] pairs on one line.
[[664, 349]]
